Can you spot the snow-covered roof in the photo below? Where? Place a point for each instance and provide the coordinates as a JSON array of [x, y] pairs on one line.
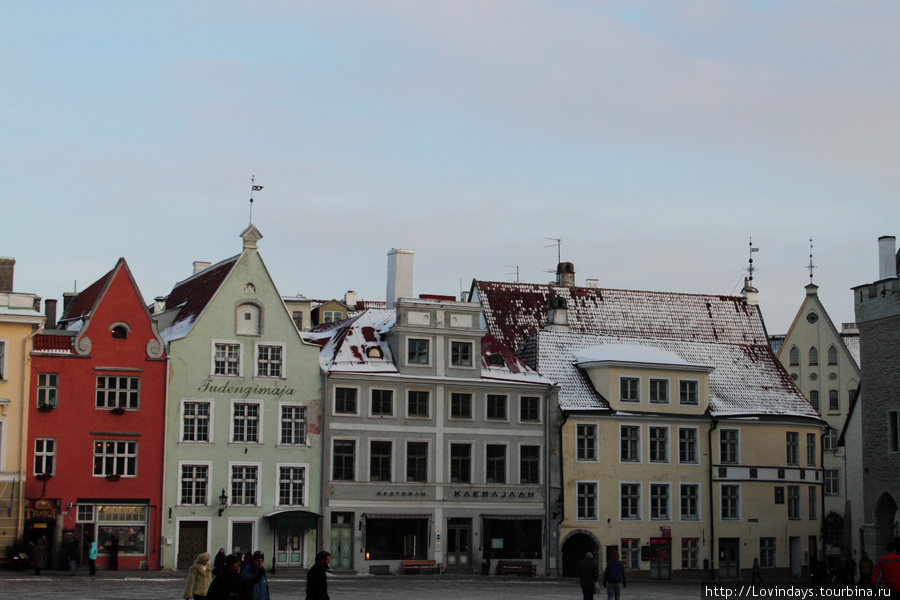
[[851, 341], [190, 297], [630, 353]]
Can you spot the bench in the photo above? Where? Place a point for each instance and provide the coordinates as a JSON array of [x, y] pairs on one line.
[[516, 567], [417, 566]]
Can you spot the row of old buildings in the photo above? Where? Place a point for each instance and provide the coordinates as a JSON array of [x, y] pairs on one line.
[[522, 422]]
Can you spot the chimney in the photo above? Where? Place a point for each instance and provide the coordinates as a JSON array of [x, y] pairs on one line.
[[350, 299], [201, 265], [887, 259], [558, 315], [565, 274], [750, 293], [50, 313], [400, 274], [7, 268], [464, 296], [68, 299], [159, 305], [592, 283]]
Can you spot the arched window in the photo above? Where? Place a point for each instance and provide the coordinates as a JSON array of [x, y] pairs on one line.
[[795, 356], [813, 356], [832, 355], [248, 320], [119, 330]]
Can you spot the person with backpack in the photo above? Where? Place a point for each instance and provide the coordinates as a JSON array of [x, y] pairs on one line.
[[614, 576]]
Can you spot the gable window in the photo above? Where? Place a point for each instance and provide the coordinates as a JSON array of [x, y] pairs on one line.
[[687, 393], [834, 403], [44, 456], [496, 407], [659, 444], [587, 500], [460, 406], [629, 389], [690, 502], [659, 391], [530, 409], [461, 354], [795, 356], [291, 485], [586, 443], [244, 485], [332, 316], [495, 463], [343, 459], [48, 390], [293, 425], [248, 320], [810, 449], [461, 463], [380, 460], [417, 404], [417, 352], [832, 355], [417, 462], [245, 423], [118, 392], [382, 403], [728, 446], [659, 501], [113, 457], [120, 332], [630, 501], [793, 447], [227, 359], [731, 502], [194, 485], [195, 422], [269, 360], [345, 401], [813, 356], [630, 443], [529, 464], [687, 446]]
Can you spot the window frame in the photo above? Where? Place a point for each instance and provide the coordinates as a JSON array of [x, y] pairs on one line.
[[458, 359], [282, 406], [634, 444], [792, 448], [345, 464], [256, 468], [582, 452], [657, 446], [634, 501], [456, 462], [653, 395], [47, 387], [339, 405], [734, 445], [304, 501], [496, 407], [456, 401], [383, 471], [233, 438], [409, 457], [813, 507], [409, 403], [734, 512], [587, 502], [418, 356], [252, 308], [132, 394], [44, 454], [127, 456], [834, 402], [534, 464], [697, 500], [181, 480], [690, 553], [689, 387], [768, 555], [811, 449], [794, 357], [209, 420], [502, 461], [282, 361], [832, 482], [694, 444], [629, 386], [524, 401], [793, 502], [372, 401], [655, 497], [226, 360]]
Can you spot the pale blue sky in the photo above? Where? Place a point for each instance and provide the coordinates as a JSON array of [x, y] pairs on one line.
[[655, 138]]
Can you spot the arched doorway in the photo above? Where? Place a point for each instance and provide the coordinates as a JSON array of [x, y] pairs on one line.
[[575, 546], [885, 516]]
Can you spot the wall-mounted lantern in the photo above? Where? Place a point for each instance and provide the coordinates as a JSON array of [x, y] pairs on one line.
[[223, 502]]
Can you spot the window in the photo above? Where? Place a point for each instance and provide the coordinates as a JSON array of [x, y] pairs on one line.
[[687, 393], [461, 463], [779, 494], [44, 456], [194, 485], [813, 356], [834, 402], [630, 443], [631, 553], [113, 457], [530, 409], [298, 319], [495, 465], [417, 462], [244, 483], [814, 399], [659, 501], [248, 320], [832, 482], [728, 446], [417, 352], [813, 503], [460, 406], [810, 449], [629, 389], [195, 422], [332, 316], [795, 356], [793, 501], [291, 485], [461, 354], [496, 407], [2, 360], [227, 359], [48, 390], [659, 391], [630, 502], [832, 355], [687, 446], [587, 501], [659, 444], [345, 401], [586, 443], [833, 530], [380, 460], [245, 423], [690, 548], [793, 447], [293, 425], [343, 458], [690, 502], [118, 392], [767, 552], [417, 403], [382, 403], [829, 439], [893, 431], [529, 464], [731, 502], [269, 361]]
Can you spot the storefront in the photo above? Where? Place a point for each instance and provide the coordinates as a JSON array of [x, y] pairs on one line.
[[124, 524], [292, 530]]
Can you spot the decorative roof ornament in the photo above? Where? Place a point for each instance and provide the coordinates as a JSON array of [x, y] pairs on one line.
[[811, 266], [751, 268], [253, 188]]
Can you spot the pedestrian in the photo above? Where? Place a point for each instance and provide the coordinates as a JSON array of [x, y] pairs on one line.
[[588, 576], [317, 578], [199, 578], [756, 571], [72, 555], [40, 555], [850, 570], [887, 570], [92, 558], [113, 552], [219, 562], [254, 575], [229, 585], [865, 571], [614, 576]]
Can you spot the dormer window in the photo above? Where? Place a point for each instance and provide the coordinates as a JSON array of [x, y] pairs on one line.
[[630, 389], [248, 320], [374, 352], [496, 360]]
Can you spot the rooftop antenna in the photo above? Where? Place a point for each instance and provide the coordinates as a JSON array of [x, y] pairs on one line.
[[516, 267], [750, 267], [558, 245], [811, 266], [253, 188]]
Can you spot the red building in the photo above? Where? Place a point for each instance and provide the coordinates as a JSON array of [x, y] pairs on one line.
[[96, 425]]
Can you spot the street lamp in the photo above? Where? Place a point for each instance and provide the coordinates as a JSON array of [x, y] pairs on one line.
[[223, 502]]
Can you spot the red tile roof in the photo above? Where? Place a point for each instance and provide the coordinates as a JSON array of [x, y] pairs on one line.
[[53, 343]]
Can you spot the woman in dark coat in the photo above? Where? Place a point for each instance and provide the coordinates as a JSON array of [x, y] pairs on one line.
[[588, 575]]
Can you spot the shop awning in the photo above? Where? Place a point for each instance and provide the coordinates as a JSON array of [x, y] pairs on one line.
[[397, 516], [293, 519], [514, 517]]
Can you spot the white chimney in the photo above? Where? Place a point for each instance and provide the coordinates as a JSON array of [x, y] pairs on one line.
[[592, 283], [159, 305], [201, 265], [887, 257], [350, 299], [558, 315], [400, 275]]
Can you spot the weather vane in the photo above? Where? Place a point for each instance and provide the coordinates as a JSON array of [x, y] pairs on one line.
[[253, 188], [751, 268], [811, 266]]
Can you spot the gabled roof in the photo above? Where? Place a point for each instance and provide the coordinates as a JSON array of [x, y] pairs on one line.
[[83, 305], [191, 296], [513, 310]]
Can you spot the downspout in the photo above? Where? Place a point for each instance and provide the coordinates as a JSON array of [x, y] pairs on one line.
[[160, 540], [27, 347], [712, 512], [563, 417]]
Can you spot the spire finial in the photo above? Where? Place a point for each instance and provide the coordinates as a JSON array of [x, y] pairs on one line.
[[750, 267], [811, 266], [253, 188]]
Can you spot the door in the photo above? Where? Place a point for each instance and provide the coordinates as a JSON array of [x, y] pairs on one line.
[[797, 554], [191, 542], [660, 558], [242, 537], [459, 546], [729, 558], [289, 547], [342, 541]]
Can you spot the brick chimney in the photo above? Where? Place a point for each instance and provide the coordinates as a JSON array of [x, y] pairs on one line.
[[565, 274], [7, 269]]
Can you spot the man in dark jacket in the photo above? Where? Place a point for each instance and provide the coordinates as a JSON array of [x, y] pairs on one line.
[[588, 574], [254, 576], [229, 585], [317, 578]]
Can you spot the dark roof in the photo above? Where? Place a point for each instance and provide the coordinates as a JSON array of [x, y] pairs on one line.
[[53, 343], [83, 305], [193, 294]]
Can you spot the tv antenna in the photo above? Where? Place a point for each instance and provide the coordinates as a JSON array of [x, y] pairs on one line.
[[516, 267], [558, 245]]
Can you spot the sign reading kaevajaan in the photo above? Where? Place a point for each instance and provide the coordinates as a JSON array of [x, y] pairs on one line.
[[244, 391]]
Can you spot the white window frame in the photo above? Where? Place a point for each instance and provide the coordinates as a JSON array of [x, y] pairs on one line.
[[640, 501], [332, 316], [283, 362], [240, 364], [699, 502], [281, 407], [637, 460], [184, 402], [259, 478], [540, 463], [209, 484], [696, 444], [116, 391], [594, 450], [305, 499], [740, 496], [334, 410], [252, 329], [666, 448], [392, 463], [463, 365], [668, 398], [506, 455], [44, 454], [696, 385], [372, 413], [595, 505], [832, 481], [829, 440], [259, 422], [737, 446], [622, 378], [46, 388], [668, 506], [116, 456]]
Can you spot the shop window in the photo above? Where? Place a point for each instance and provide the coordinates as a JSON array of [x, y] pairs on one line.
[[396, 538], [512, 538]]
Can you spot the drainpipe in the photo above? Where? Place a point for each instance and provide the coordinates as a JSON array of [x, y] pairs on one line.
[[712, 512]]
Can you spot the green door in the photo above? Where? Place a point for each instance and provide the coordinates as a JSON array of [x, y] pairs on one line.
[[342, 541], [289, 544]]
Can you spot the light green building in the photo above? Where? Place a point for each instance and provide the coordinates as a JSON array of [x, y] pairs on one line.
[[243, 420]]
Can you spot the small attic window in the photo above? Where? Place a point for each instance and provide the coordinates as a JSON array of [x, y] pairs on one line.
[[496, 360], [374, 352], [249, 321], [119, 331]]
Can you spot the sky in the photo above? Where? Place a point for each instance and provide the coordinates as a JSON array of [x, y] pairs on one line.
[[655, 139]]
